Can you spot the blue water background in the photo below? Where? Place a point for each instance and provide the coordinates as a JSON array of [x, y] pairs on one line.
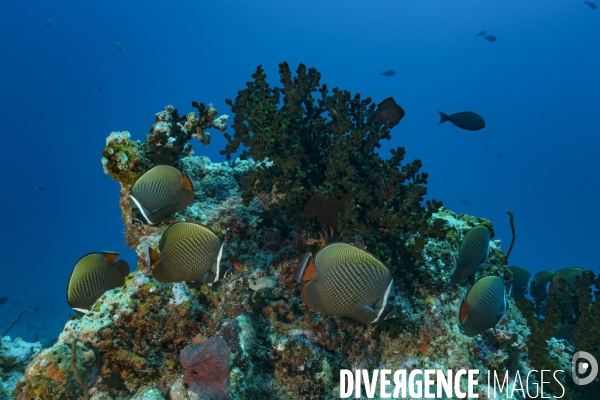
[[537, 87]]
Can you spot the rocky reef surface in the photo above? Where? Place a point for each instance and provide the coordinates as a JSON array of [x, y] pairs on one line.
[[131, 343], [14, 357]]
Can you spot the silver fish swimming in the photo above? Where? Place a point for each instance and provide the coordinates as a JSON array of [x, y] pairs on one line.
[[347, 282], [539, 286], [568, 274]]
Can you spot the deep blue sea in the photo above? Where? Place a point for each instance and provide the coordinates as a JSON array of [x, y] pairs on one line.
[[537, 86]]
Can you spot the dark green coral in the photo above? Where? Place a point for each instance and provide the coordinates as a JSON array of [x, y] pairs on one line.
[[574, 308], [319, 148]]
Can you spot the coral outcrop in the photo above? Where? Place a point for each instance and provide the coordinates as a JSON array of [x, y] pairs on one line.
[[250, 335], [126, 160], [134, 336]]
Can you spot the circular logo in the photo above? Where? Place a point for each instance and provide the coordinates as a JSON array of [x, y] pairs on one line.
[[590, 364]]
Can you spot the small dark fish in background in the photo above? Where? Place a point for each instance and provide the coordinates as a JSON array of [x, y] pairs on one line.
[[48, 23], [39, 188], [482, 33], [490, 38], [118, 46], [465, 202], [499, 155], [36, 309], [591, 5], [3, 299], [465, 120], [389, 111], [99, 89], [389, 72]]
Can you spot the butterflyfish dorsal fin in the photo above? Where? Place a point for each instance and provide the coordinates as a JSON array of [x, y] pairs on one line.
[[110, 256]]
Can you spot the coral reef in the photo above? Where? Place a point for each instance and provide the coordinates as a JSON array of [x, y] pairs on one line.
[[322, 156], [132, 339], [14, 357], [573, 312], [153, 340]]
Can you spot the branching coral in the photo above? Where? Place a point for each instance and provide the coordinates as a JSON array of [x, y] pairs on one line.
[[574, 308], [126, 160], [75, 372], [321, 153], [12, 324]]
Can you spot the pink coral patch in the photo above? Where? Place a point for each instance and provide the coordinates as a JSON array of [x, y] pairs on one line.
[[207, 367]]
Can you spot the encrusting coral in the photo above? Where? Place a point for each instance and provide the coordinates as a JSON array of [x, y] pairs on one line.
[[145, 340]]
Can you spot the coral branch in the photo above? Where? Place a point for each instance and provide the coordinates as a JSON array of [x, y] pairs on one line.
[[13, 324], [514, 235], [74, 368]]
